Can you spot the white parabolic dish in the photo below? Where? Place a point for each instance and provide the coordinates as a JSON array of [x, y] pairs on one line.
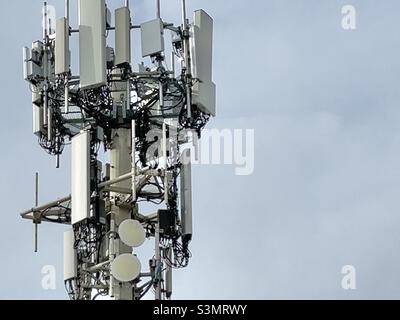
[[126, 267], [132, 233]]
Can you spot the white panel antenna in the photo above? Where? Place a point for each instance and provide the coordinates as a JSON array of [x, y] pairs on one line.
[[62, 47], [202, 46], [204, 90], [92, 43], [204, 96], [70, 256], [186, 197], [122, 36], [80, 177], [152, 38], [37, 117]]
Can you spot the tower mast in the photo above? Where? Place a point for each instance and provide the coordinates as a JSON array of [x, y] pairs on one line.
[[139, 115]]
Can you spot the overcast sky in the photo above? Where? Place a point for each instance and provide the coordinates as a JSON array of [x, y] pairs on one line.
[[324, 103]]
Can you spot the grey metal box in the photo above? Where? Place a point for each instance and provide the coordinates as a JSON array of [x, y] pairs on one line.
[[32, 59], [152, 33], [92, 43], [32, 71], [204, 96]]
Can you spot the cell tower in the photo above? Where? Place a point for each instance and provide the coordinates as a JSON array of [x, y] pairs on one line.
[[142, 116]]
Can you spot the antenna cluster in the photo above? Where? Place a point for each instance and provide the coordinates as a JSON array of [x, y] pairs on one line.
[[138, 114]]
